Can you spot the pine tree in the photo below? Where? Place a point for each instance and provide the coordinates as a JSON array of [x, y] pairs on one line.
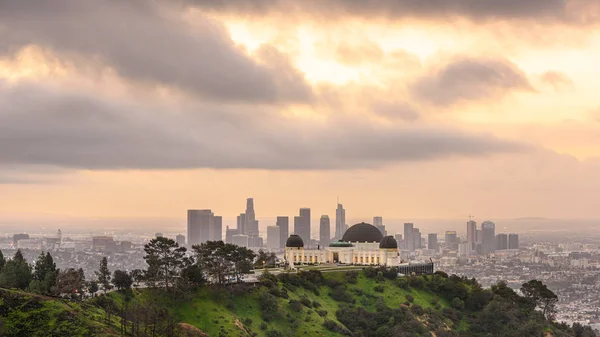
[[103, 274], [44, 274], [16, 273], [2, 261], [165, 260]]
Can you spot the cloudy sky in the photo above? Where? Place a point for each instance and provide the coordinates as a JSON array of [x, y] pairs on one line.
[[402, 108]]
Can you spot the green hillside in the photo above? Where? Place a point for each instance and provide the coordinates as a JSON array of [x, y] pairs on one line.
[[24, 314], [369, 303]]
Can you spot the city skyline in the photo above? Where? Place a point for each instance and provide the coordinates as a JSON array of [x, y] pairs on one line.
[[423, 110]]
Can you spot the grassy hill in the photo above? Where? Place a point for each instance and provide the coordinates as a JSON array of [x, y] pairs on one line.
[[25, 314], [228, 312], [368, 303]]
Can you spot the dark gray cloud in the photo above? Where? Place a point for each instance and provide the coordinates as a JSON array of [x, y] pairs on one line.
[[49, 126], [440, 9], [470, 79], [151, 42]]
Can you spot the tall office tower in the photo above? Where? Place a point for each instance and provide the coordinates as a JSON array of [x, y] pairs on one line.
[[241, 224], [324, 231], [472, 233], [283, 222], [478, 237], [378, 223], [409, 243], [432, 241], [501, 241], [229, 233], [180, 239], [513, 241], [199, 226], [488, 236], [451, 240], [251, 227], [217, 228], [416, 238], [302, 225], [273, 238], [398, 238], [340, 222]]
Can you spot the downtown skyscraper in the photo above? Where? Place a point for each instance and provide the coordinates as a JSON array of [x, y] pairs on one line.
[[324, 231], [283, 222], [409, 243], [202, 226], [340, 221], [302, 225], [488, 240], [472, 233]]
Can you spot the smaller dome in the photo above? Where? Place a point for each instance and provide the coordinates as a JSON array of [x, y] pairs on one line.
[[340, 243], [388, 242], [294, 241]]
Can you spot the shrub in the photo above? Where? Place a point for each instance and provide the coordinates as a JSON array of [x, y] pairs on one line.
[[247, 321], [417, 310], [316, 304], [295, 305], [437, 306], [269, 307], [263, 326], [322, 312], [335, 327], [402, 282], [458, 304], [379, 288], [370, 272], [306, 302], [410, 298], [275, 333], [435, 300], [339, 294], [351, 277]]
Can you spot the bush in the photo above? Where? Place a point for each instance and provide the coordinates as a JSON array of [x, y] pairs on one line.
[[371, 272], [295, 305], [275, 333], [437, 306], [322, 312], [435, 300], [351, 277], [247, 321], [339, 294], [306, 302], [417, 310], [316, 304], [402, 282], [263, 326], [335, 327], [379, 288], [416, 281], [282, 293], [458, 304], [269, 308], [410, 298]]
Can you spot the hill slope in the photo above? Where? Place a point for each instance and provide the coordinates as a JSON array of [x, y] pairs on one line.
[[369, 303], [24, 314]]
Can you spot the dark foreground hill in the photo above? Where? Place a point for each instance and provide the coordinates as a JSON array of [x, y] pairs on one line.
[[370, 303]]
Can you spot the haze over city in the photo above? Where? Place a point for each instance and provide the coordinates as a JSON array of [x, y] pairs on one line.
[[141, 110]]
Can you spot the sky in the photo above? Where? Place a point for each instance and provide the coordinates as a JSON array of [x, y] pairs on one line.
[[401, 108]]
